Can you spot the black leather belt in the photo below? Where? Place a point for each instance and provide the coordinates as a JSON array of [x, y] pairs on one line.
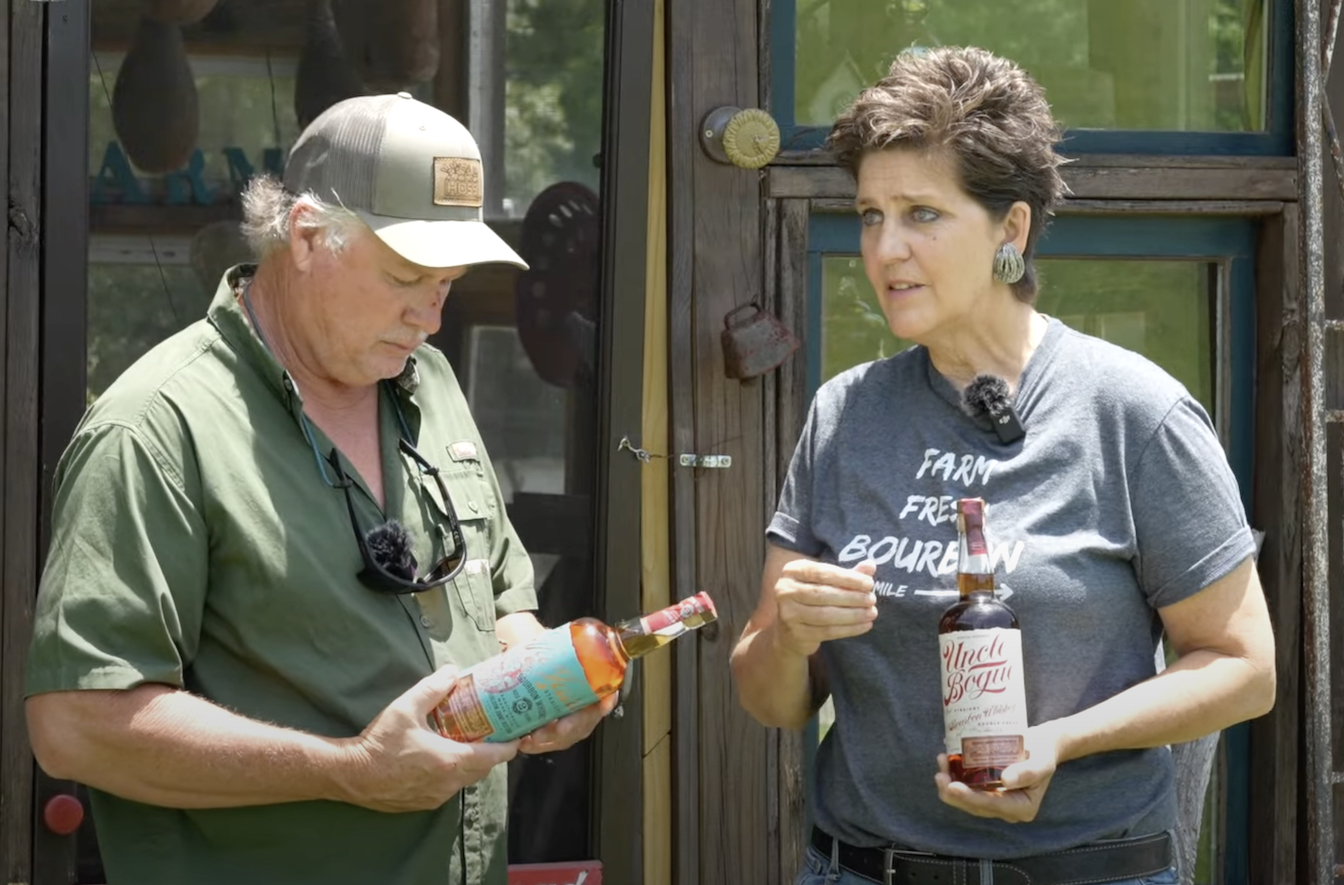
[[1088, 865]]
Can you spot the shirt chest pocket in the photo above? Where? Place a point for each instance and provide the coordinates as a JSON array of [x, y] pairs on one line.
[[473, 501]]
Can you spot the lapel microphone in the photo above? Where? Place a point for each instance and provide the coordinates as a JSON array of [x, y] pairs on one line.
[[988, 395]]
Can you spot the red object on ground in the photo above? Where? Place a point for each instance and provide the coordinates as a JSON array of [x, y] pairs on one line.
[[63, 814], [578, 872]]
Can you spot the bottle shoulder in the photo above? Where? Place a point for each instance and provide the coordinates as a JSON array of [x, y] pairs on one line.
[[979, 611]]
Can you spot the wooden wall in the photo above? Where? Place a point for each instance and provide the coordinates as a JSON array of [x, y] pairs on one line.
[[21, 88], [724, 831], [1334, 399]]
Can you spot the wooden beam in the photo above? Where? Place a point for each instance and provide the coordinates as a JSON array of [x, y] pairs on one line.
[[1277, 509], [1135, 161], [655, 503], [59, 398], [20, 337], [1241, 183], [791, 412], [716, 267], [14, 834], [1234, 208], [682, 116]]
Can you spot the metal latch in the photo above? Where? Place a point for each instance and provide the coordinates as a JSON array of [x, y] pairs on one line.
[[715, 461], [684, 460]]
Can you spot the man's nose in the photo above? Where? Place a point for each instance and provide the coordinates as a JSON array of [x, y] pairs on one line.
[[427, 312]]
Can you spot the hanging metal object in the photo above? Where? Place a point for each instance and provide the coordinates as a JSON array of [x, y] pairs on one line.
[[746, 138], [754, 342]]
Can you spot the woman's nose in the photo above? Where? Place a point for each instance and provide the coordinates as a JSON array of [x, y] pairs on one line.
[[892, 243]]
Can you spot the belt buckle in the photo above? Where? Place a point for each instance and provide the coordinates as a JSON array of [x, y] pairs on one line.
[[889, 856]]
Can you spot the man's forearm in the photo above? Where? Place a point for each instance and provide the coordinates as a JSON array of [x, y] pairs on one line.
[[161, 746]]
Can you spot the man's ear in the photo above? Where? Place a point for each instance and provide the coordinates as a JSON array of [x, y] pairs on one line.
[[303, 237]]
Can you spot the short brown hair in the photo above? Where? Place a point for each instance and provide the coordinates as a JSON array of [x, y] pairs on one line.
[[987, 112]]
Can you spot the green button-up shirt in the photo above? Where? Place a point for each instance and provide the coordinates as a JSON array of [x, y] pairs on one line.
[[195, 543]]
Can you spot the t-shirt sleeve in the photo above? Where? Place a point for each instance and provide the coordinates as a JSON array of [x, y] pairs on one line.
[[1189, 522], [123, 588], [792, 525]]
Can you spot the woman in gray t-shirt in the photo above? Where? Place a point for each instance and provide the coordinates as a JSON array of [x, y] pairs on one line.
[[1115, 517]]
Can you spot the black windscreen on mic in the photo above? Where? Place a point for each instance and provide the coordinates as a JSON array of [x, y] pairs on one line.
[[988, 395]]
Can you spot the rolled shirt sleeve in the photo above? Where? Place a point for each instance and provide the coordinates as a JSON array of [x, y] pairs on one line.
[[1189, 522], [123, 589]]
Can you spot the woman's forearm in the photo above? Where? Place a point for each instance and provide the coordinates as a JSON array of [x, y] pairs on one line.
[[1205, 691], [775, 684]]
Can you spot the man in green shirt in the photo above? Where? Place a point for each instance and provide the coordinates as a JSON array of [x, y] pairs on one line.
[[241, 680]]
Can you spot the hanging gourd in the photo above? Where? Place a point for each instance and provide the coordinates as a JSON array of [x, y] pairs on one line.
[[154, 103], [178, 12], [393, 44], [325, 75]]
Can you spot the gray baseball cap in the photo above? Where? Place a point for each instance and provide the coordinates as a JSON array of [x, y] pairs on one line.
[[410, 171]]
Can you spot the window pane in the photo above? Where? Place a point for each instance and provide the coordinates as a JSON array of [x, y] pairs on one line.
[[1183, 65], [1161, 309]]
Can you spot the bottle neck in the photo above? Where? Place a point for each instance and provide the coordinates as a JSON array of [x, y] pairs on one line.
[[639, 636], [974, 573]]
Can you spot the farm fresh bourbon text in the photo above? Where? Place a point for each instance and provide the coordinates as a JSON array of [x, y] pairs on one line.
[[980, 644]]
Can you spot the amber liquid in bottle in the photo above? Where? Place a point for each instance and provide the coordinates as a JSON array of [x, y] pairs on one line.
[[562, 670], [984, 698]]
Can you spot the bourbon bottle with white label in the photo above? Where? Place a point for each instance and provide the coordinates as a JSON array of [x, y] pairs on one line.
[[557, 672], [980, 643]]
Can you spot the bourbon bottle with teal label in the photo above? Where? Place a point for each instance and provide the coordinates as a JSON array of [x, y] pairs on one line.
[[558, 672]]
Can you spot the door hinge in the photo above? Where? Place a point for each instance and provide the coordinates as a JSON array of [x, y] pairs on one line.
[[708, 461]]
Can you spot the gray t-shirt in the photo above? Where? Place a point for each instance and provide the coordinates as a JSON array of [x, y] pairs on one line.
[[1119, 500]]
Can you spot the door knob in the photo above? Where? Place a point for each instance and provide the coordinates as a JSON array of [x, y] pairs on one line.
[[748, 138], [63, 814]]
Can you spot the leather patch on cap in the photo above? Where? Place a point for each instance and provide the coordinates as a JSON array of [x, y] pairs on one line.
[[458, 182]]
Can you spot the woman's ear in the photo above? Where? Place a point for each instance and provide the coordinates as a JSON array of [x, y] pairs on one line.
[[1017, 226]]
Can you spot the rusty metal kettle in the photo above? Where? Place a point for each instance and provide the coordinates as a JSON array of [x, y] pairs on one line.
[[754, 342]]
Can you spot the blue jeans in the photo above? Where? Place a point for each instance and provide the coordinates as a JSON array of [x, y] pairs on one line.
[[818, 870]]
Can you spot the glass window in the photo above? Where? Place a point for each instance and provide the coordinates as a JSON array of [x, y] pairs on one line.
[[1181, 65], [1162, 309]]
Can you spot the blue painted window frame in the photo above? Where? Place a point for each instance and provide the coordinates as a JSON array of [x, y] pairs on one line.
[[1276, 140], [1227, 240]]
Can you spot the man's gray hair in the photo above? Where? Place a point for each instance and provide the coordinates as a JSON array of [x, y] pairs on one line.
[[266, 211]]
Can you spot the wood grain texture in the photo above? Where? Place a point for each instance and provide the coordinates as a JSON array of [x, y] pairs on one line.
[[719, 66], [791, 411], [655, 503], [683, 123], [1277, 509], [769, 467], [657, 828], [13, 861], [1136, 161], [20, 336], [1247, 182]]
